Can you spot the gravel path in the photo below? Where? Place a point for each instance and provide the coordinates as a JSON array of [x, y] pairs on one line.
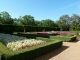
[[69, 51]]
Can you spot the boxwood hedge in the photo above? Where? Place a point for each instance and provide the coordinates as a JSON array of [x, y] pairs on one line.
[[0, 56]]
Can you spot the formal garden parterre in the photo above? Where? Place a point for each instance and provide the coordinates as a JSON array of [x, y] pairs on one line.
[[28, 46], [15, 47]]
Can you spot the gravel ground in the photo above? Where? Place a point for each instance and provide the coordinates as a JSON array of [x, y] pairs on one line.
[[69, 51]]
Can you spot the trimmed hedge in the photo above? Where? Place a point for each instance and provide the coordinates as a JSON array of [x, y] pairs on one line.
[[64, 39], [6, 28], [0, 56], [29, 53], [38, 36], [32, 35], [20, 28], [72, 38]]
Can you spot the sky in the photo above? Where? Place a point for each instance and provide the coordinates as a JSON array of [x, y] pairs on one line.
[[40, 9]]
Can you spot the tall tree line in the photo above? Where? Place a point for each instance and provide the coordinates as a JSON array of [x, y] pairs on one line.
[[65, 21], [28, 20]]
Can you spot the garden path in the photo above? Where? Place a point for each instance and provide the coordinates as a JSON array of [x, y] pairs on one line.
[[69, 51]]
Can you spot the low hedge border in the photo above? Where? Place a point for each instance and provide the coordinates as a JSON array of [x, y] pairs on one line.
[[31, 35], [72, 38], [30, 53], [0, 56], [64, 39]]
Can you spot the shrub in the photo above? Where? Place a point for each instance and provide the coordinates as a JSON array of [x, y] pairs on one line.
[[73, 38], [32, 35], [0, 56], [6, 28], [20, 28]]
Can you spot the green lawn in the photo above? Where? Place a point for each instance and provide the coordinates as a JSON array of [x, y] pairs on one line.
[[64, 39]]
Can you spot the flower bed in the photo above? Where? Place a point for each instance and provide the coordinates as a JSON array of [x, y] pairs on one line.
[[16, 43], [29, 53], [47, 33], [65, 33], [42, 32], [42, 47]]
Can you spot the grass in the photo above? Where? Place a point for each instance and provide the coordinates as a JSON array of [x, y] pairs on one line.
[[64, 38], [45, 39]]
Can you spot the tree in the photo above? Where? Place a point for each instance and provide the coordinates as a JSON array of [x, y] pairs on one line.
[[15, 21], [75, 20], [64, 22], [59, 23], [38, 23], [27, 20], [48, 23], [19, 20], [5, 18], [0, 19]]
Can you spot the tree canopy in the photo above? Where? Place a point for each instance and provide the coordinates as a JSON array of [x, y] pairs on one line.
[[5, 18], [65, 21]]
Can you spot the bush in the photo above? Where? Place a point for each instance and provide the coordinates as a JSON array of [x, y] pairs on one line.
[[29, 53], [6, 28], [73, 38], [20, 28], [32, 35], [0, 56]]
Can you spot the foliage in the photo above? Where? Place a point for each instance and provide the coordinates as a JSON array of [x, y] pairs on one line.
[[60, 38], [31, 35], [27, 20], [29, 53], [38, 23], [0, 56], [6, 28], [20, 28], [64, 22], [5, 18], [48, 23], [75, 19], [64, 39]]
